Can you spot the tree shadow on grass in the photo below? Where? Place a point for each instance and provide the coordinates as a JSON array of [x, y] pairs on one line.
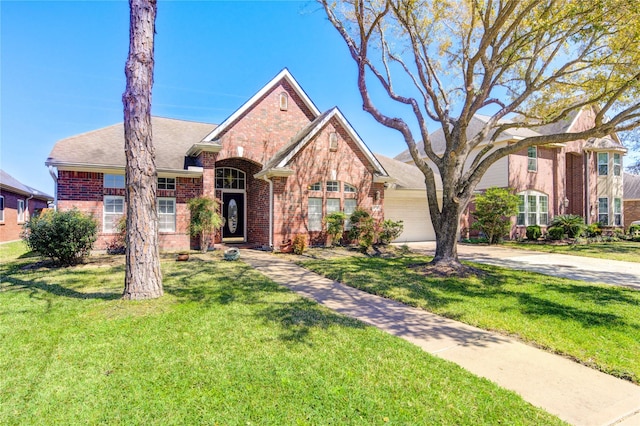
[[58, 290]]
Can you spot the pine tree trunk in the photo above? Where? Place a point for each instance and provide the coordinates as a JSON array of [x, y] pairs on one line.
[[143, 278]]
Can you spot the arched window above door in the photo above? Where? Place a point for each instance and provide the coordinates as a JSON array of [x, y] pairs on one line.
[[229, 178]]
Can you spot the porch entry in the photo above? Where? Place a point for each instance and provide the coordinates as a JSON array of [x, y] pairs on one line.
[[233, 212], [232, 183]]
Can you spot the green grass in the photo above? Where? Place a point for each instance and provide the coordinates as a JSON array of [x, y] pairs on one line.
[[224, 346], [597, 325], [627, 251]]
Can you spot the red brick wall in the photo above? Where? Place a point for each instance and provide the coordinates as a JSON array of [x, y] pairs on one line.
[[631, 211], [10, 228]]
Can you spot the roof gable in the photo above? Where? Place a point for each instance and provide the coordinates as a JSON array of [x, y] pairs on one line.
[[282, 75], [11, 184], [282, 158]]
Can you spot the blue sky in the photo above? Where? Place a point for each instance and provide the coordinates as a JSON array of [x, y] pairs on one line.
[[62, 69]]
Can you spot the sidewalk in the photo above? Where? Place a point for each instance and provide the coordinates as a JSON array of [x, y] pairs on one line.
[[574, 393], [590, 269]]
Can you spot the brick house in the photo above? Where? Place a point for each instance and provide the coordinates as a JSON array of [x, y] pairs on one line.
[[17, 203], [582, 177], [631, 199], [277, 164]]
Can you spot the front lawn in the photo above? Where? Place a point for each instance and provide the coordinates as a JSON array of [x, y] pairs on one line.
[[628, 251], [597, 325], [224, 346]]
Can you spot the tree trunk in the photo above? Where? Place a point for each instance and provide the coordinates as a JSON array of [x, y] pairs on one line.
[[447, 235], [143, 278]]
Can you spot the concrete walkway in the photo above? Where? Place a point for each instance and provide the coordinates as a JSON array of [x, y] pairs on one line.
[[590, 269], [574, 393]]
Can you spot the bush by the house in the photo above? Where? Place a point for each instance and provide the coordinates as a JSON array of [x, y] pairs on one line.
[[390, 230], [335, 226], [533, 232], [555, 233], [492, 213], [573, 225], [299, 244], [634, 230], [362, 229], [205, 219], [593, 230], [65, 237]]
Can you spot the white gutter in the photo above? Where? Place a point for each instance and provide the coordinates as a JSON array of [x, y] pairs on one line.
[[55, 187], [26, 206]]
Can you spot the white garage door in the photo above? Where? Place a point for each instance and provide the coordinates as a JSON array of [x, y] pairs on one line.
[[414, 212]]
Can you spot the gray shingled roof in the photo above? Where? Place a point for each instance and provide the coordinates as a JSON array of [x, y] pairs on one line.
[[476, 124], [9, 183], [105, 147], [407, 176], [631, 187], [603, 144]]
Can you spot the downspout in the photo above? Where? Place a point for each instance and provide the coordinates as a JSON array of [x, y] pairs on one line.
[[55, 187], [266, 179], [586, 190], [26, 206]]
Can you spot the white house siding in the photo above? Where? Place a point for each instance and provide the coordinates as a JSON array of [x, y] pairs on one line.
[[411, 207]]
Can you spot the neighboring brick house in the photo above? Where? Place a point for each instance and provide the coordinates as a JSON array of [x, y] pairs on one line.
[[579, 177], [631, 199], [278, 165], [17, 203]]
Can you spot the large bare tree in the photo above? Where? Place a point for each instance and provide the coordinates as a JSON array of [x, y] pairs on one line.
[[524, 63], [143, 278]]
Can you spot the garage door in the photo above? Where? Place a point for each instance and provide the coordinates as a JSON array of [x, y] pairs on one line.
[[414, 212]]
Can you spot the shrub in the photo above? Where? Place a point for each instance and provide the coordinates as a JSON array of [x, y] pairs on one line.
[[493, 210], [572, 224], [335, 226], [205, 219], [362, 229], [390, 230], [634, 230], [555, 233], [65, 237], [299, 244], [593, 230], [533, 232]]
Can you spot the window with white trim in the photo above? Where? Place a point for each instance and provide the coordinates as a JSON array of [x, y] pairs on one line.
[[228, 178], [166, 214], [333, 186], [617, 164], [284, 101], [1, 208], [533, 208], [166, 183], [349, 188], [532, 158], [113, 210], [349, 207], [333, 205], [603, 211], [315, 214], [20, 211], [315, 186], [617, 211], [603, 163], [333, 141], [113, 181]]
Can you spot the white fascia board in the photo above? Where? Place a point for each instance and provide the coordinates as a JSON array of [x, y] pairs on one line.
[[197, 148], [270, 85], [102, 168], [274, 172]]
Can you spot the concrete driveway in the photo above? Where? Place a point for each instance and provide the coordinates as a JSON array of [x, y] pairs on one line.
[[612, 272]]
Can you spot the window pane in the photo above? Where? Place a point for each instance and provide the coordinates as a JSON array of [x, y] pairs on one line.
[[315, 214], [333, 205], [113, 181], [333, 186], [349, 208], [603, 211], [532, 154], [349, 188], [228, 178], [617, 164], [316, 186], [603, 163], [166, 215], [521, 219]]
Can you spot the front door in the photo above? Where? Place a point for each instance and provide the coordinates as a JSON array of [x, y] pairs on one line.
[[233, 214]]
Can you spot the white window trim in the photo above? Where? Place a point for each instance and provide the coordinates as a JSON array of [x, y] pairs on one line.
[[166, 183], [347, 222], [526, 212], [241, 178], [534, 159], [319, 222], [21, 211], [104, 181], [604, 163], [105, 214], [617, 166], [607, 211], [2, 209], [174, 214], [333, 184], [617, 213]]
